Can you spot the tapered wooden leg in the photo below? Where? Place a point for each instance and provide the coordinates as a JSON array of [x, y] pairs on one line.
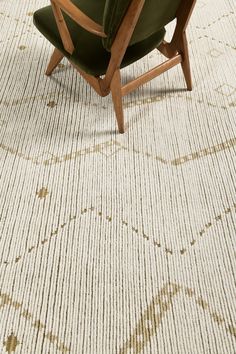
[[56, 58], [186, 63], [117, 100]]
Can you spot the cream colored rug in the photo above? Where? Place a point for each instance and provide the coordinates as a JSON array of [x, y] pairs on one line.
[[109, 243]]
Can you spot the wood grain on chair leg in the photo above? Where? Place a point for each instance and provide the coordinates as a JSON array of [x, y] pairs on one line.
[[117, 100], [185, 63], [56, 58]]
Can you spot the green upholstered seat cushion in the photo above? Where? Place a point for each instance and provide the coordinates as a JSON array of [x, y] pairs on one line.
[[155, 15], [94, 59], [89, 53]]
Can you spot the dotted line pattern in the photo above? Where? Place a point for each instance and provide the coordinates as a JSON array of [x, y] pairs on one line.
[[215, 21], [201, 233], [52, 235], [216, 40], [168, 251]]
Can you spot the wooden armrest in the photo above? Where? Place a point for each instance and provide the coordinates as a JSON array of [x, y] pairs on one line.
[[79, 17]]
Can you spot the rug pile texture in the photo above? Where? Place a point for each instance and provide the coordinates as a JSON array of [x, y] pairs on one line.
[[118, 244]]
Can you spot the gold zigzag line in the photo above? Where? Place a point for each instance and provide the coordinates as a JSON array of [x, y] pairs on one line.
[[217, 20], [52, 235], [218, 218], [155, 243], [220, 42], [211, 150], [7, 300], [151, 319]]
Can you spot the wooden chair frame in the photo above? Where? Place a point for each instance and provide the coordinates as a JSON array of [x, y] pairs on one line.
[[176, 51]]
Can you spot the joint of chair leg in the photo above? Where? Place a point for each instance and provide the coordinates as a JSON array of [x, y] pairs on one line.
[[104, 89]]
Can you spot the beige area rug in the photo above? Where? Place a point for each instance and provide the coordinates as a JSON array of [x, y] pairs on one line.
[[118, 244]]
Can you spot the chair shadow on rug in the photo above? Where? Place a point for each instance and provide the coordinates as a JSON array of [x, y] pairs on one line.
[[99, 38]]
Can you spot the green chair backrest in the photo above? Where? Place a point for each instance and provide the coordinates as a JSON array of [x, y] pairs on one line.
[[154, 16]]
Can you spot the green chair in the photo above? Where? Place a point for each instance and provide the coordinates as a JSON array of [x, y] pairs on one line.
[[99, 37]]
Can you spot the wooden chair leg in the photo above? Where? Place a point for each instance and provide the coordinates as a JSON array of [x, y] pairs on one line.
[[117, 100], [186, 63], [56, 58]]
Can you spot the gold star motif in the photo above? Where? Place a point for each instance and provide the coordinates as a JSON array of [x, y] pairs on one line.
[[22, 47], [51, 104], [42, 193], [11, 343]]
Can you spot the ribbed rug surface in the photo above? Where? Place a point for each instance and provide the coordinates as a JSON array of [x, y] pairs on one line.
[[118, 243]]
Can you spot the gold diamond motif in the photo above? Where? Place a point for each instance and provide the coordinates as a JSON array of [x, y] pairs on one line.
[[226, 90]]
